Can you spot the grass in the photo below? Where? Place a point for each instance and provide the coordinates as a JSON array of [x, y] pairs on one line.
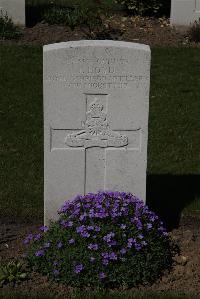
[[22, 133], [100, 295], [174, 123]]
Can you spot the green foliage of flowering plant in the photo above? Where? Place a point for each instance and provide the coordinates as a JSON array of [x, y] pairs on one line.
[[104, 239], [194, 32], [74, 16], [12, 272], [7, 29], [141, 7], [69, 16]]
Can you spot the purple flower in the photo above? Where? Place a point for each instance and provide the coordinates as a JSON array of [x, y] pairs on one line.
[[78, 268], [74, 214], [80, 229], [59, 244], [85, 234], [64, 207], [93, 246], [87, 205], [137, 246], [91, 213], [37, 237], [71, 241], [102, 275], [108, 237], [139, 225], [105, 262], [149, 226], [97, 229], [66, 224], [90, 227], [113, 256], [30, 236], [105, 255], [69, 224], [112, 243], [28, 239], [44, 228], [40, 253], [131, 241], [153, 218], [123, 251], [82, 217]]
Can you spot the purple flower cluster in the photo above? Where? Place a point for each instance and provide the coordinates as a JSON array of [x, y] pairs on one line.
[[35, 237], [40, 252], [102, 275], [82, 230], [137, 245], [109, 239], [66, 224], [44, 228], [32, 237], [108, 256], [92, 208], [28, 239], [105, 205], [93, 246], [78, 268], [109, 227]]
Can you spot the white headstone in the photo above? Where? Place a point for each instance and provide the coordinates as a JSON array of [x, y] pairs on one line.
[[184, 12], [96, 104], [15, 9]]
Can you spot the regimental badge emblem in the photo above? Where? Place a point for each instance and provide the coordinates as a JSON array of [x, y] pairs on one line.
[[96, 131]]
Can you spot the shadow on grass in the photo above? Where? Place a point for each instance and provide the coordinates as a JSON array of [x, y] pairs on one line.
[[168, 195]]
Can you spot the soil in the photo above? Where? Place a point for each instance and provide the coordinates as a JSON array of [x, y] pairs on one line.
[[184, 277], [151, 31]]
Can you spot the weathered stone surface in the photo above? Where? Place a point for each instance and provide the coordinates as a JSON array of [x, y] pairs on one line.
[[96, 103], [15, 9], [184, 12]]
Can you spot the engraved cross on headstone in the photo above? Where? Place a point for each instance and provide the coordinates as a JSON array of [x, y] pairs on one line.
[[95, 138]]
